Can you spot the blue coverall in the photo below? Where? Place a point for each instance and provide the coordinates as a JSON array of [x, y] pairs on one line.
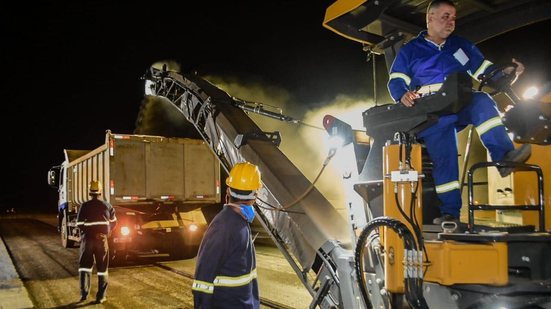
[[225, 273], [423, 63]]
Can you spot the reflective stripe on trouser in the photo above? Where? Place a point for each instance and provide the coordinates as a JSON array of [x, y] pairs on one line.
[[84, 278], [489, 126], [440, 140], [226, 281], [102, 285], [96, 249]]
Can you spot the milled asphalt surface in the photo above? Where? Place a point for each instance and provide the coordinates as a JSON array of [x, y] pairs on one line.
[[13, 293]]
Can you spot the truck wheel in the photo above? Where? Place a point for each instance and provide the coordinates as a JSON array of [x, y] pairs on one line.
[[65, 241], [117, 259]]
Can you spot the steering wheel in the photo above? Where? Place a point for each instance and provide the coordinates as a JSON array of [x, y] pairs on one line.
[[498, 79]]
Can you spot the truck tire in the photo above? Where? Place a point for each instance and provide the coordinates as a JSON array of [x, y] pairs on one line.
[[117, 258], [65, 241]]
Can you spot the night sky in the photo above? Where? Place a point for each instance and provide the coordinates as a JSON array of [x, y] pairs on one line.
[[73, 69]]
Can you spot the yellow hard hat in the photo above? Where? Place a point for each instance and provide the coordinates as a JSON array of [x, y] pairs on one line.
[[95, 187], [245, 177]]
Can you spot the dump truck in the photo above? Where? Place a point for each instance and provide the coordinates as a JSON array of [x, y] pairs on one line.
[[156, 184]]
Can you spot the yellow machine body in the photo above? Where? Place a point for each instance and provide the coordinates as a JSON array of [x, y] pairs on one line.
[[525, 187], [454, 262], [449, 262], [394, 274], [338, 10]]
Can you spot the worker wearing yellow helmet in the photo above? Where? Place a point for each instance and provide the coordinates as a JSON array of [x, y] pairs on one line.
[[96, 219], [225, 273]]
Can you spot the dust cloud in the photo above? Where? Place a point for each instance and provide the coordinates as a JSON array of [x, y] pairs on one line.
[[305, 142], [171, 65], [160, 117]]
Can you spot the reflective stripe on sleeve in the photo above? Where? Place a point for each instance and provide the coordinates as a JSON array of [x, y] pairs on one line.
[[447, 187], [202, 286], [113, 220], [235, 281], [485, 64], [400, 75], [95, 223]]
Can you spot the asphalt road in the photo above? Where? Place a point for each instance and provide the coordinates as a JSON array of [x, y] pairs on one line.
[[49, 273]]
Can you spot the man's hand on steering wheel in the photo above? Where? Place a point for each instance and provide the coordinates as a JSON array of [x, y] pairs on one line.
[[518, 71], [502, 77]]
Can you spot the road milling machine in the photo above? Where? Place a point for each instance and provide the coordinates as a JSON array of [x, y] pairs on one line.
[[381, 255]]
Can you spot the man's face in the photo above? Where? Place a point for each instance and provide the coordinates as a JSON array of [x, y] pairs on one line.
[[441, 21]]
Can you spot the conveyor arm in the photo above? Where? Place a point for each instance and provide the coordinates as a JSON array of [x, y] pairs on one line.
[[312, 235]]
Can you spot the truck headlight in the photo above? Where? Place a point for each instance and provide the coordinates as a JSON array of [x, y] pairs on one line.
[[125, 231], [193, 227]]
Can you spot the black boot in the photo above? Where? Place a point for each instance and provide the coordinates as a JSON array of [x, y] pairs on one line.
[[84, 278], [101, 296]]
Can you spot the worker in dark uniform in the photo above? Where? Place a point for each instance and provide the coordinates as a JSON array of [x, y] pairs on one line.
[[225, 273], [96, 219]]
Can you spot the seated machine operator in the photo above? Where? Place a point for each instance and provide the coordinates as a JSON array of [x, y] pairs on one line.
[[420, 68]]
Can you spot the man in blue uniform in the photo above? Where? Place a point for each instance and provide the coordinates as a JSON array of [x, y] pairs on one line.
[[420, 68], [225, 273], [96, 219]]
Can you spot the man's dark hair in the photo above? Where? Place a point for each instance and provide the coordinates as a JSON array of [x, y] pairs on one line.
[[436, 3]]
